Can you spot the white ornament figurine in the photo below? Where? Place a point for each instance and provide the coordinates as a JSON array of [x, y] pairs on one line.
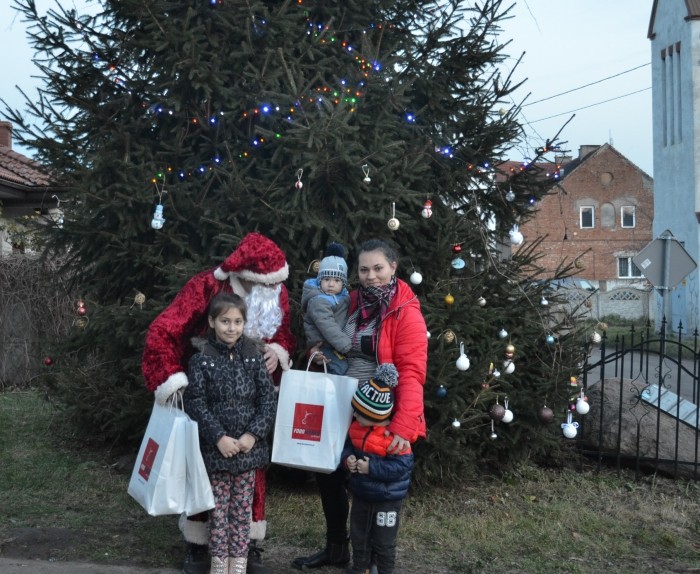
[[158, 220], [516, 238], [508, 367], [463, 362]]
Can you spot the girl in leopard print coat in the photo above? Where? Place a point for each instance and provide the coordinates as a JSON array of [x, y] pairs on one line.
[[232, 398]]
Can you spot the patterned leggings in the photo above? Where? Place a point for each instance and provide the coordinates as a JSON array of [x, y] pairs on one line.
[[229, 520]]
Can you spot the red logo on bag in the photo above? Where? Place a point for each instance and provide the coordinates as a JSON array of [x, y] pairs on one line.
[[308, 422], [149, 455]]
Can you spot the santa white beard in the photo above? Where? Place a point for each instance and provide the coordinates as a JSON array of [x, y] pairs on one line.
[[264, 312]]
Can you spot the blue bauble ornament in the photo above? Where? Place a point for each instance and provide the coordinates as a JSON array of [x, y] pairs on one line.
[[441, 392]]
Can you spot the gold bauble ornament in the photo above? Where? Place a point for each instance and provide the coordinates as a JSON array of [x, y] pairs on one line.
[[449, 299]]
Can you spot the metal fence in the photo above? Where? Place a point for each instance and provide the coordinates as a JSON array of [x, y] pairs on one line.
[[643, 395]]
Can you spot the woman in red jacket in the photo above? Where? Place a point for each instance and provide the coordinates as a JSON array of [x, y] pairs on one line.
[[386, 326]]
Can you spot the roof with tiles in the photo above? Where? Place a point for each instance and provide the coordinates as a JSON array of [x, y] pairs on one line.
[[19, 169]]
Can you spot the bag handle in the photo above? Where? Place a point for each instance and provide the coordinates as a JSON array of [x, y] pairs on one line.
[[176, 401], [311, 358]]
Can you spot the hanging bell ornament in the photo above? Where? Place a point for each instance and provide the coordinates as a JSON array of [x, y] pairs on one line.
[[365, 170], [507, 414], [427, 211], [582, 406], [546, 415], [449, 299], [463, 362], [516, 238]]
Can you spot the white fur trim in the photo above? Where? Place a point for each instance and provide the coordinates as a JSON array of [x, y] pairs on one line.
[[194, 531], [282, 355], [173, 383], [236, 286], [258, 530], [265, 278], [220, 274]]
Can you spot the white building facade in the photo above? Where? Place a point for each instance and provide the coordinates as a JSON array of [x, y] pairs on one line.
[[674, 32]]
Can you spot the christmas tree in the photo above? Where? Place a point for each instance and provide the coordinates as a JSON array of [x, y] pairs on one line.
[[178, 127]]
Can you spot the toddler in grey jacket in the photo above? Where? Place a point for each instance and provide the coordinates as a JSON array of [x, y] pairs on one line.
[[324, 302]]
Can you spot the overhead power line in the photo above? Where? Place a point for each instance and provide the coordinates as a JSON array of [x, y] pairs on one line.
[[590, 106], [587, 85]]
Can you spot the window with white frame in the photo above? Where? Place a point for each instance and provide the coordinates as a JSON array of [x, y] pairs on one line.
[[587, 217], [626, 269], [627, 216]]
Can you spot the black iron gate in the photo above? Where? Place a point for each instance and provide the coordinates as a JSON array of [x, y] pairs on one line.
[[643, 394]]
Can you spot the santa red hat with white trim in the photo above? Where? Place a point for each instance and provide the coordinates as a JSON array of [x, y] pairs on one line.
[[256, 259]]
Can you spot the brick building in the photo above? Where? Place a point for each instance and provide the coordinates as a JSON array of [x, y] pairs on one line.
[[599, 214]]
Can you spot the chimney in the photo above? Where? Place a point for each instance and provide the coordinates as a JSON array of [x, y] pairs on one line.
[[6, 134], [585, 150]]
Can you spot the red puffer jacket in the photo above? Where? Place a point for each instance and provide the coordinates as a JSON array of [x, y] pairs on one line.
[[403, 340]]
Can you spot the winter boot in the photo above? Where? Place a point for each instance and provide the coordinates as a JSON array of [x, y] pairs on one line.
[[334, 554], [255, 565], [219, 565], [237, 565], [196, 559]]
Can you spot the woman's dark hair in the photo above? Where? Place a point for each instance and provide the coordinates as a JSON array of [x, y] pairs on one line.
[[379, 245], [225, 301]]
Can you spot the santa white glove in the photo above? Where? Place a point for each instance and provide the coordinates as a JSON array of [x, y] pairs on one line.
[[167, 390]]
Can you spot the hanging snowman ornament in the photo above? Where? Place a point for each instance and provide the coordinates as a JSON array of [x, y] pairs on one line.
[[158, 220], [427, 211], [516, 238], [463, 362], [457, 262], [569, 428]]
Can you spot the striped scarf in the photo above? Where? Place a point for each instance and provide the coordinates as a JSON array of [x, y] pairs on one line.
[[373, 302]]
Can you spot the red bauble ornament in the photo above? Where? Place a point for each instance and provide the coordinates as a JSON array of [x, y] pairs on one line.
[[457, 248], [81, 308], [48, 361]]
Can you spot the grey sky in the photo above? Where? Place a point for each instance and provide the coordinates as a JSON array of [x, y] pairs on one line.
[[567, 44]]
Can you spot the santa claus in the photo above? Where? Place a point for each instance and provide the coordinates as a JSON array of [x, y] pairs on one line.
[[255, 271]]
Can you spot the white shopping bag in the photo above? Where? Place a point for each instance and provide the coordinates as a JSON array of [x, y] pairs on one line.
[[159, 479], [199, 496], [314, 413]]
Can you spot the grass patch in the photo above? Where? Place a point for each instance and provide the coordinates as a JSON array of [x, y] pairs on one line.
[[531, 521]]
